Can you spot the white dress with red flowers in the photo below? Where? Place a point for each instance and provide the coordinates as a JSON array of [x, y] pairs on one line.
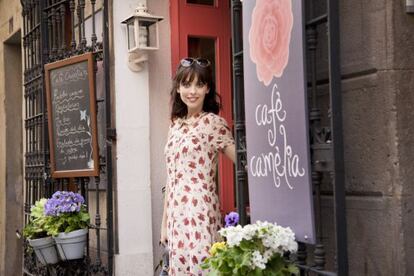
[[193, 215]]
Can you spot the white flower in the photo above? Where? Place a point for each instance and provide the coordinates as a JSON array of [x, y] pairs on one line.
[[274, 239], [233, 234], [268, 254], [258, 260], [249, 231]]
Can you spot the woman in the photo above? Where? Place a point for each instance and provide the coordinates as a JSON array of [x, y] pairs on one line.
[[191, 216]]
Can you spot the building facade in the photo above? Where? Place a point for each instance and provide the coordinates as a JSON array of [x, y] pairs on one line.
[[11, 202], [377, 73]]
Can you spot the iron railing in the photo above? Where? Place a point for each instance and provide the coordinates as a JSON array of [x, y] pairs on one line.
[[325, 116], [55, 30]]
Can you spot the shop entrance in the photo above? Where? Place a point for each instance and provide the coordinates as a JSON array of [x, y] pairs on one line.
[[201, 28]]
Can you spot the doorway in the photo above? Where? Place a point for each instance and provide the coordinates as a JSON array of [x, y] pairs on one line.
[[202, 28]]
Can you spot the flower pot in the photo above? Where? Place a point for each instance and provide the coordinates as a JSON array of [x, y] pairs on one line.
[[45, 250], [71, 245]]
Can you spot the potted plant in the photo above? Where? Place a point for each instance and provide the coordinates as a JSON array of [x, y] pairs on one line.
[[68, 223], [36, 234], [255, 249]]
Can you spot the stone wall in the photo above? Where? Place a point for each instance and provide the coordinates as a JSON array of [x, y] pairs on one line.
[[11, 186], [377, 68]]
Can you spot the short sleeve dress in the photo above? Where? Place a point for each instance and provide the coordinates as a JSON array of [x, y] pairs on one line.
[[193, 214]]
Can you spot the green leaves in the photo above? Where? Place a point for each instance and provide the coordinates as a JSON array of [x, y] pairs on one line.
[[35, 229], [37, 210], [277, 266], [229, 261], [248, 245], [67, 222]]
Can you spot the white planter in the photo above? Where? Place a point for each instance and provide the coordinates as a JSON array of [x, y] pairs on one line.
[[71, 245], [45, 250]]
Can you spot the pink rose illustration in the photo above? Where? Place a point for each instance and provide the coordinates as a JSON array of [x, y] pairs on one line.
[[269, 37]]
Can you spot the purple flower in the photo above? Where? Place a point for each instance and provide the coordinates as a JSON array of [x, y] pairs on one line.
[[51, 207], [231, 219], [63, 202]]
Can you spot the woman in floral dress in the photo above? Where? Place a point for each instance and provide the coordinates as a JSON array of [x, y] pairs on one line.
[[191, 215]]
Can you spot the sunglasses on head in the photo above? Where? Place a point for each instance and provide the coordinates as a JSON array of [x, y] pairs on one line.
[[202, 62]]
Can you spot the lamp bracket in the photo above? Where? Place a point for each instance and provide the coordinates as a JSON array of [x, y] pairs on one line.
[[136, 60]]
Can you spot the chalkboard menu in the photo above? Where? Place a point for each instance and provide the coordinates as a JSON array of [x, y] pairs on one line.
[[70, 93]]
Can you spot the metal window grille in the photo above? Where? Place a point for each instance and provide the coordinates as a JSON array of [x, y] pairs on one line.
[[55, 30]]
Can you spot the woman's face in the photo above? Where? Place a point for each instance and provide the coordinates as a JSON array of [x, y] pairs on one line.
[[193, 94]]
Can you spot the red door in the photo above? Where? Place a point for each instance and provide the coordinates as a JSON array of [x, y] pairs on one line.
[[201, 28]]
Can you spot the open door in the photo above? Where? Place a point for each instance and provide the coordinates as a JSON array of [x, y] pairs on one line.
[[202, 28]]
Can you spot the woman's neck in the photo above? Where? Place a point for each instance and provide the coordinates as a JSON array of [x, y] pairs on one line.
[[192, 113]]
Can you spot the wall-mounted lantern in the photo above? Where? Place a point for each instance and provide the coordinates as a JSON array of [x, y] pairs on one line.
[[142, 36], [409, 6]]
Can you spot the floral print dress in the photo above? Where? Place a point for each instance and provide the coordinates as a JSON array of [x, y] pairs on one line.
[[193, 214]]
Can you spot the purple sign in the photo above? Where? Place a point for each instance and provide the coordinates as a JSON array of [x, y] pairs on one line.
[[280, 188]]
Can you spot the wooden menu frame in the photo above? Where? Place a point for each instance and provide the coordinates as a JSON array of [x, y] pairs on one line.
[[63, 83]]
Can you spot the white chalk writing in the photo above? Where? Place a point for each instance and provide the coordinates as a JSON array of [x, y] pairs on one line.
[[281, 163]]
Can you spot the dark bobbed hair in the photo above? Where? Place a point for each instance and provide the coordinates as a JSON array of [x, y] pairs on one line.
[[188, 74]]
